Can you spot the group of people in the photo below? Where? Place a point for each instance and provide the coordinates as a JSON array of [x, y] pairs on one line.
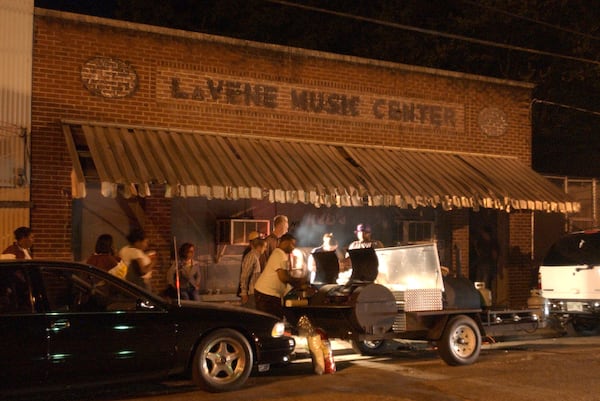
[[135, 258], [267, 272], [267, 269], [183, 275]]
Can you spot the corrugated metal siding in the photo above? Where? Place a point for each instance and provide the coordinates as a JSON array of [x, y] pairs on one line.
[[16, 44], [11, 218], [223, 166]]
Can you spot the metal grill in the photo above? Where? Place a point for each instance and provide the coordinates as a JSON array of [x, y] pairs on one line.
[[423, 300], [419, 300], [399, 325], [400, 299]]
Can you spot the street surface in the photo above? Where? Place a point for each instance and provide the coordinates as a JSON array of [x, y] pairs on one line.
[[528, 368]]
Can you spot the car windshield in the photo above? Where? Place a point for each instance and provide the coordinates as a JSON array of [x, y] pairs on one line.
[[575, 249]]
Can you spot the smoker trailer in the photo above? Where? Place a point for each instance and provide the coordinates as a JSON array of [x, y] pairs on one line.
[[401, 293]]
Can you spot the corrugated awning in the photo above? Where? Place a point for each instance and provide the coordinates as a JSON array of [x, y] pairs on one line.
[[221, 166]]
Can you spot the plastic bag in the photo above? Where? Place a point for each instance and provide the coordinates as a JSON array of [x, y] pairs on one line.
[[316, 352], [327, 352], [120, 270]]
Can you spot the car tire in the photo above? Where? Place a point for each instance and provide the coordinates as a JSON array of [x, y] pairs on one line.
[[369, 348], [223, 361], [461, 341]]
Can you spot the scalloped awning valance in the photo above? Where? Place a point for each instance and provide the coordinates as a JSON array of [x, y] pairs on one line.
[[220, 166]]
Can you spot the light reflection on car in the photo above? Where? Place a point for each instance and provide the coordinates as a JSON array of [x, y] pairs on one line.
[[68, 324]]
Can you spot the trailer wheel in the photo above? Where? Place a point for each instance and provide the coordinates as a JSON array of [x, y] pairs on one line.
[[369, 348], [582, 327], [461, 341]]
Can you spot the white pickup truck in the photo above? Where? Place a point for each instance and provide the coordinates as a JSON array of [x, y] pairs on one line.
[[570, 279]]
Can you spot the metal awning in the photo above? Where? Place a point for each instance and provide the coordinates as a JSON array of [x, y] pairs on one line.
[[222, 166]]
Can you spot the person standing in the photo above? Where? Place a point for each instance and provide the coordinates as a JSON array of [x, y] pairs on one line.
[[189, 273], [21, 248], [329, 244], [274, 281], [280, 227], [139, 263], [364, 239], [104, 257], [250, 271]]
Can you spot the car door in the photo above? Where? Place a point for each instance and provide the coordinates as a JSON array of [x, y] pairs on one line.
[[100, 329], [23, 344]]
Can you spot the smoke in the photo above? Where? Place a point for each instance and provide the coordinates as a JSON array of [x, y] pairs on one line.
[[310, 229]]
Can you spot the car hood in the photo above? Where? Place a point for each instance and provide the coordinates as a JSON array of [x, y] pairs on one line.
[[223, 307]]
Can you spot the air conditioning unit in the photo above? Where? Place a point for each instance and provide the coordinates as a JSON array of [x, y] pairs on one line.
[[235, 232]]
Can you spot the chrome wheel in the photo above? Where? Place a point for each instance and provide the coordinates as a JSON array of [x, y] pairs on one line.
[[223, 361]]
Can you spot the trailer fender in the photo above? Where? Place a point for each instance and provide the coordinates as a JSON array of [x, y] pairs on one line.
[[437, 329]]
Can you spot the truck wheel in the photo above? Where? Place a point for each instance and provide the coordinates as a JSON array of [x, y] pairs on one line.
[[369, 348], [461, 341], [223, 361]]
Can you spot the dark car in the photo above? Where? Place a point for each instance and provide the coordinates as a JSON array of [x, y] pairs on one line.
[[65, 324]]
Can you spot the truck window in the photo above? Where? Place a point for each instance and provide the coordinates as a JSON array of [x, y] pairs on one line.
[[575, 249]]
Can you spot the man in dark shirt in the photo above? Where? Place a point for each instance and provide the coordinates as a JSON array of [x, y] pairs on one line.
[[21, 248]]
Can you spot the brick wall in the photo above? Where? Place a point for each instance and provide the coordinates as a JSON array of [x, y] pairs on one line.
[[157, 210], [64, 47], [459, 223], [519, 265]]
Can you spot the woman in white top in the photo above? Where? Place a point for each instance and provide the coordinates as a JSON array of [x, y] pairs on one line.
[[139, 263]]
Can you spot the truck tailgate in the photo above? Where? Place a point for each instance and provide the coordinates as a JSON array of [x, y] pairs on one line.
[[570, 282]]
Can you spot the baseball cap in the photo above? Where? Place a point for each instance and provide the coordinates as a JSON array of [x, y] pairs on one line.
[[252, 235], [363, 228]]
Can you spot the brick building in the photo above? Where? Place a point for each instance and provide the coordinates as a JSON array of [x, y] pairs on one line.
[[201, 138]]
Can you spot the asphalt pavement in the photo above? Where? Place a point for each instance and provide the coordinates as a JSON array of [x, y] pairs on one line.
[[530, 367]]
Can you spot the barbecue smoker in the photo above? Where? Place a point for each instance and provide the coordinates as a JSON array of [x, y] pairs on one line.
[[401, 293]]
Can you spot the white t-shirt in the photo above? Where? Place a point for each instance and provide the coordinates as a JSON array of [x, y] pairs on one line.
[[268, 283], [129, 253]]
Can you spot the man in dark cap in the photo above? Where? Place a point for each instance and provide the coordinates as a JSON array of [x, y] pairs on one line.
[[275, 280], [364, 240]]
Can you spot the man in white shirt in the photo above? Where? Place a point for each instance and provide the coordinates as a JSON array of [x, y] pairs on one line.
[[274, 281]]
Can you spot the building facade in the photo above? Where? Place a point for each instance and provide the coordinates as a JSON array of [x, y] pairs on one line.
[[192, 136]]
